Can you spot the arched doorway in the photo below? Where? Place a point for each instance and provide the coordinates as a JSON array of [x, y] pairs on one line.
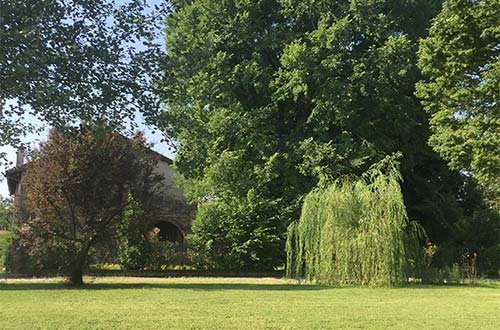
[[169, 232]]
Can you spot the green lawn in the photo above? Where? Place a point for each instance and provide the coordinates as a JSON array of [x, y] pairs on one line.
[[222, 303]]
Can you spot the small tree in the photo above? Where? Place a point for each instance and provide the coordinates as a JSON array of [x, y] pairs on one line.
[[354, 232], [77, 189]]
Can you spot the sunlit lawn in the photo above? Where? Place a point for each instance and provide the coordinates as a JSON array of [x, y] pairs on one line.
[[223, 303]]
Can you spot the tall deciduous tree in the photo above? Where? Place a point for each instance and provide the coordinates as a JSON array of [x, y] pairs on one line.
[[65, 61], [268, 98], [460, 61], [76, 190]]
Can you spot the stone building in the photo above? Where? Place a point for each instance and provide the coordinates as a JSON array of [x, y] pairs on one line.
[[174, 219]]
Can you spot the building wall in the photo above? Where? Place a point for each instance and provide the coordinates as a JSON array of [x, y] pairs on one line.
[[175, 208]]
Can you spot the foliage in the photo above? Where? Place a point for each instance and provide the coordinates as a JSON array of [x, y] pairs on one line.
[[429, 250], [273, 98], [463, 272], [77, 189], [444, 275], [354, 232], [139, 246], [162, 253], [460, 61], [479, 233], [469, 262], [6, 214], [52, 256], [63, 61], [132, 237], [240, 236], [476, 231], [5, 239], [248, 304]]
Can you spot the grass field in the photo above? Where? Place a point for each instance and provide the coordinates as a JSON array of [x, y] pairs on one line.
[[224, 303]]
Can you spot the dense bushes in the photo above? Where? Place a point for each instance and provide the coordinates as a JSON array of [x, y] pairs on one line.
[[136, 246], [139, 246], [236, 237], [132, 238], [151, 253], [5, 239], [6, 214], [53, 257], [477, 233]]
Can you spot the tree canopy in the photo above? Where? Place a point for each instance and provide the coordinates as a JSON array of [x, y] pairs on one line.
[[460, 62], [75, 192], [66, 61], [268, 99]]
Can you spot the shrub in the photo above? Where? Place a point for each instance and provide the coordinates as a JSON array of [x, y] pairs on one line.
[[162, 253], [139, 247], [132, 239], [5, 242], [21, 259], [236, 236], [6, 214], [478, 232]]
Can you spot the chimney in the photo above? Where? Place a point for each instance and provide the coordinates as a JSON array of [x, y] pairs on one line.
[[20, 157]]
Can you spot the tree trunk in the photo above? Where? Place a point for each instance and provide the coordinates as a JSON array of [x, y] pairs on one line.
[[76, 276], [76, 271]]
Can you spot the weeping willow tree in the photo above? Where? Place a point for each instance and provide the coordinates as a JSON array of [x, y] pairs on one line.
[[355, 232]]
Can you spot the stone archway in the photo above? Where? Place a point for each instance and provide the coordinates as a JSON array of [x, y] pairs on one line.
[[169, 232]]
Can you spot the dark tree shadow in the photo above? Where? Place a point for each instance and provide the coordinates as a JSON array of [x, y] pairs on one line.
[[181, 286], [22, 286], [495, 284]]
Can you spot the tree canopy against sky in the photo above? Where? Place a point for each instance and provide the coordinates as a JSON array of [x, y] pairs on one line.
[[460, 62], [65, 61], [269, 98]]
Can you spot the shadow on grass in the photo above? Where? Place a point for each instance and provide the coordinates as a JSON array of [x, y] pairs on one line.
[[171, 286], [26, 286], [488, 285]]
